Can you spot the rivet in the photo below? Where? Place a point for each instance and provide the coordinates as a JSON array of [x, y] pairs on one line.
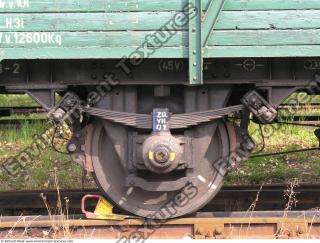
[[94, 76], [72, 147], [194, 64], [195, 78], [194, 52]]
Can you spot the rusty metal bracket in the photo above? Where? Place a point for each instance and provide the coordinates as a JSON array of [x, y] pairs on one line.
[[88, 165], [209, 231], [223, 225]]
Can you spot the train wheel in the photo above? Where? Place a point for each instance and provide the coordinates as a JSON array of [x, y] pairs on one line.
[[211, 141]]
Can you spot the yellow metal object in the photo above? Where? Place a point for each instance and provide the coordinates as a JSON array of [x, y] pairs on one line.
[[172, 156], [151, 156], [103, 210]]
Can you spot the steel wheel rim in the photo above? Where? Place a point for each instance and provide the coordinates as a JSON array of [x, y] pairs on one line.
[[110, 174]]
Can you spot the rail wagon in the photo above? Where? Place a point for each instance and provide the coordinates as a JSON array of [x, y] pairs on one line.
[[159, 94]]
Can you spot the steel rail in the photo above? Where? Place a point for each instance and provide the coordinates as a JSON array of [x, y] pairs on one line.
[[230, 198], [278, 224]]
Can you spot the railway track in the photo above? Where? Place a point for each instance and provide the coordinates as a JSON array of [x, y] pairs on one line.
[[230, 215], [25, 110], [230, 198], [17, 123], [226, 225]]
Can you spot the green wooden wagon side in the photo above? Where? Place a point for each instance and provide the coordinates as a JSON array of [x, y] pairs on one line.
[[96, 29]]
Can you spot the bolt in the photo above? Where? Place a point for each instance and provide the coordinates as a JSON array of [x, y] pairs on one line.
[[301, 230], [161, 156], [227, 75], [131, 183], [253, 99], [106, 75], [57, 116], [94, 76], [249, 144], [72, 147], [200, 231], [268, 116], [213, 75], [70, 102], [291, 234], [218, 231]]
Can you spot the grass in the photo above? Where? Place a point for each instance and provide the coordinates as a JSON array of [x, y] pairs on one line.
[[19, 100], [38, 174], [16, 100], [278, 137], [282, 168], [24, 133], [61, 228]]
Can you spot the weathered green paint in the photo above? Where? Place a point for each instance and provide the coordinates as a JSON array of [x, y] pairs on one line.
[[42, 6], [88, 21], [257, 34], [200, 29], [47, 6], [227, 20], [195, 45], [210, 19], [283, 19], [135, 38], [264, 51], [115, 28], [90, 39], [207, 24], [242, 5], [170, 52], [85, 52], [265, 38]]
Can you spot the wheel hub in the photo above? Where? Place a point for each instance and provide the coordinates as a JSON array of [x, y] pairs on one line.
[[161, 153]]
